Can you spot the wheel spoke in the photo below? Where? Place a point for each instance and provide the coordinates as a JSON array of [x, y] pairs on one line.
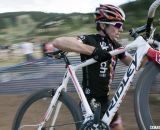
[[31, 113]]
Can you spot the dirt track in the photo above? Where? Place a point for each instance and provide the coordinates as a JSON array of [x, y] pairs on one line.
[[10, 103]]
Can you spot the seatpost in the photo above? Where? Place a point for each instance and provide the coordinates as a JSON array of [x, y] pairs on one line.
[[61, 54], [66, 59]]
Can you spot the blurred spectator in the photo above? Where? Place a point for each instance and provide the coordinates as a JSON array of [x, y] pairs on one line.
[[28, 49]]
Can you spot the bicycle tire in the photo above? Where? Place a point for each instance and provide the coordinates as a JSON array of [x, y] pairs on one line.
[[141, 103], [48, 93]]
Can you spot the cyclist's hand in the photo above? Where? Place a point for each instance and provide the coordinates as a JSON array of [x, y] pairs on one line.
[[101, 55]]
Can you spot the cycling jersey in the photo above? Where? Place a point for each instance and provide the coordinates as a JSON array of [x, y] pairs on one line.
[[97, 77]]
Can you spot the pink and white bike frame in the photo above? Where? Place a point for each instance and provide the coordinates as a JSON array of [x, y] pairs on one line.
[[143, 48]]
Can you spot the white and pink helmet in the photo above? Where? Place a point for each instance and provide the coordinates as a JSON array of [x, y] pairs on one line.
[[109, 13]]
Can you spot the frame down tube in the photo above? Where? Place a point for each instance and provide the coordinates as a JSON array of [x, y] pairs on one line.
[[125, 84], [79, 90]]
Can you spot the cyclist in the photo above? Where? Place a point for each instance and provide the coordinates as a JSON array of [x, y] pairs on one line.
[[97, 77]]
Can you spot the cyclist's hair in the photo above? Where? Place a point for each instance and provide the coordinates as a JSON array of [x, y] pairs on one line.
[[98, 26]]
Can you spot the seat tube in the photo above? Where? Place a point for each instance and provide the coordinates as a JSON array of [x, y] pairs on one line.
[[79, 90]]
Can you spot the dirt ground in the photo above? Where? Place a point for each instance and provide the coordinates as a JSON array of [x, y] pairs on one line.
[[10, 103]]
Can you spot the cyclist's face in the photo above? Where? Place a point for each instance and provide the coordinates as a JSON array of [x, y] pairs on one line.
[[113, 32]]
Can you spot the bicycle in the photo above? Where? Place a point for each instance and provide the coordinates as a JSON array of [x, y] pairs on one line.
[[89, 120]]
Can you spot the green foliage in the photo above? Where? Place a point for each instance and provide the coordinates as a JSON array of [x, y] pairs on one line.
[[136, 13], [39, 24]]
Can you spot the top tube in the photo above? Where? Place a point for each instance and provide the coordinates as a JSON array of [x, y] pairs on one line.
[[135, 44]]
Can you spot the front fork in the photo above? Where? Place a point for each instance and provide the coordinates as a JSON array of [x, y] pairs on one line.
[[49, 111]]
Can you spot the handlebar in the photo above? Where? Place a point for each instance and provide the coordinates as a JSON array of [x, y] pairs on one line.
[[57, 52], [151, 13], [134, 32], [152, 9], [60, 54]]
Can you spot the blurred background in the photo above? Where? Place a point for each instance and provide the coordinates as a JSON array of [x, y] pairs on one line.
[[42, 21], [39, 21]]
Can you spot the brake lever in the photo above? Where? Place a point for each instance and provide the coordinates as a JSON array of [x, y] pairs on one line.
[[141, 29], [133, 33]]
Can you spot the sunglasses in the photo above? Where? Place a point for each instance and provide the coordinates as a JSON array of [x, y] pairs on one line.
[[118, 25]]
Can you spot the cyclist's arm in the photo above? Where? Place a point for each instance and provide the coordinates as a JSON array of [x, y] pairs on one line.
[[144, 61], [72, 44], [127, 60]]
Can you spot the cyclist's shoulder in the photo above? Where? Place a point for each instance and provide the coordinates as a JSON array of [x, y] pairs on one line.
[[89, 39], [89, 36]]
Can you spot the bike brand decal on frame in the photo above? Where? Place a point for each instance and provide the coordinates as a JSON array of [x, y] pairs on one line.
[[123, 83]]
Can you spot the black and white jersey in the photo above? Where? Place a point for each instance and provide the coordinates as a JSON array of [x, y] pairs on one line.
[[97, 77]]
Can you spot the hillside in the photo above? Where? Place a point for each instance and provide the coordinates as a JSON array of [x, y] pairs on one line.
[[16, 26], [136, 13]]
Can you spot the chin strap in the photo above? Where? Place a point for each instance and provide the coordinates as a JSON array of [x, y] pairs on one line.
[[106, 35], [108, 38]]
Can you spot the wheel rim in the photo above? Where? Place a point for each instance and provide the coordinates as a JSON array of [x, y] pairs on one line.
[[154, 100]]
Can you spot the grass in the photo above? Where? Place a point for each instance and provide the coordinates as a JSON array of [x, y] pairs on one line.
[[10, 59]]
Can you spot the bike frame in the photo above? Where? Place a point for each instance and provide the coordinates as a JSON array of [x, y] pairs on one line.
[[142, 49]]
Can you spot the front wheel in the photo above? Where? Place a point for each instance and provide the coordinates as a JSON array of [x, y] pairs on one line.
[[147, 98], [30, 114]]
